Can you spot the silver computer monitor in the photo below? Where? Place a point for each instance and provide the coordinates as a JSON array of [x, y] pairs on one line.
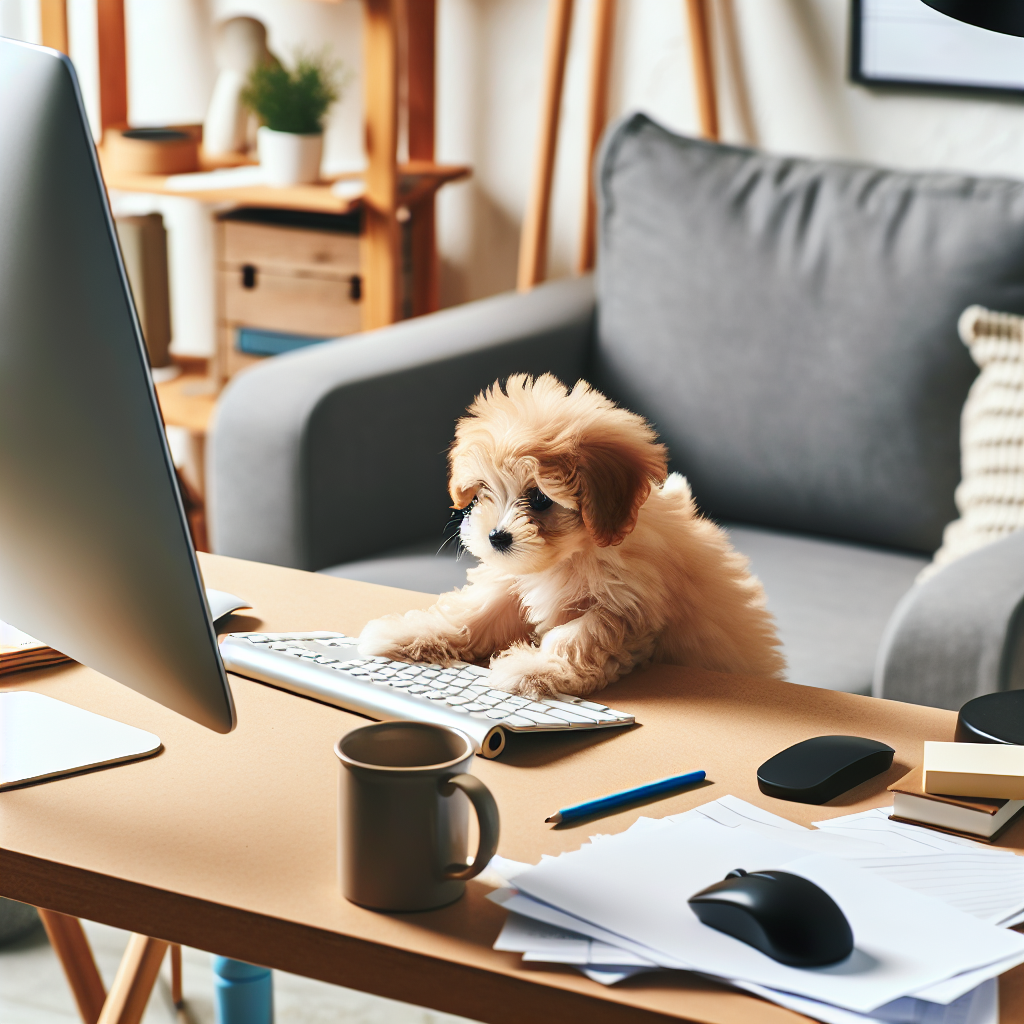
[[95, 554]]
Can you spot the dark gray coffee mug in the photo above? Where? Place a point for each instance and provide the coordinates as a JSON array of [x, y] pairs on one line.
[[404, 816]]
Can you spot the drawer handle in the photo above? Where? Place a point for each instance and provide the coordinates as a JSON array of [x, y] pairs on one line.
[[248, 276], [355, 288]]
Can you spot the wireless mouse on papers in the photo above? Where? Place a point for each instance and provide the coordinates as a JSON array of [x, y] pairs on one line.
[[816, 770], [785, 916]]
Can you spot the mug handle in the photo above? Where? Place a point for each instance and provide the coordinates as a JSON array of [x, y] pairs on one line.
[[487, 815]]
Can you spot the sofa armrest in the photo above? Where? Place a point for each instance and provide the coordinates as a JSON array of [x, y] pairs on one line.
[[337, 451], [959, 634]]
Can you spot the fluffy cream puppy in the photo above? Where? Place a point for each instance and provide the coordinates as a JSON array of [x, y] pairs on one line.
[[593, 559]]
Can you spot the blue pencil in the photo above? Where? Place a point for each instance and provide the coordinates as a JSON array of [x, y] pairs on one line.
[[607, 803]]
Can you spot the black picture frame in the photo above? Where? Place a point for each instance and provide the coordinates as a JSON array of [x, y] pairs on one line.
[[860, 77]]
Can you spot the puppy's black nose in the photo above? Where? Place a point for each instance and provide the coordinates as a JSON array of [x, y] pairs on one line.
[[501, 540]]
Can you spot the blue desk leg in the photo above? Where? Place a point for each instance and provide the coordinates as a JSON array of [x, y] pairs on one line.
[[244, 993]]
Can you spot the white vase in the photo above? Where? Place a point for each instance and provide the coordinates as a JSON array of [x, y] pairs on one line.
[[288, 158]]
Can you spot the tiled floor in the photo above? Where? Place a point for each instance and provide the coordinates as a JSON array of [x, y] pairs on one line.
[[33, 990]]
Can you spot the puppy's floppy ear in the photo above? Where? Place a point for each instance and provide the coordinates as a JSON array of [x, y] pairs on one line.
[[617, 462], [463, 480], [471, 437], [461, 496]]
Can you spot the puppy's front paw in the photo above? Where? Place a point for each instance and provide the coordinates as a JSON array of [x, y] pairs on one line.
[[528, 672], [416, 636]]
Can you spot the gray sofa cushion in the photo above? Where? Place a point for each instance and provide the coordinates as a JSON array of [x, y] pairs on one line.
[[419, 567], [790, 326], [831, 600]]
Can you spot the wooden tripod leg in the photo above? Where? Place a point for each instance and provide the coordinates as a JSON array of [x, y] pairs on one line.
[[176, 994], [72, 949], [134, 982], [597, 116], [698, 14], [533, 241]]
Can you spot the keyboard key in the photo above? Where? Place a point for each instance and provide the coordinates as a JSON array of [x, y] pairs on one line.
[[601, 716], [518, 722], [486, 699], [496, 713], [474, 707], [401, 684], [542, 719], [568, 716], [278, 646], [586, 713], [322, 659], [435, 695], [417, 688], [507, 705], [455, 699], [521, 701]]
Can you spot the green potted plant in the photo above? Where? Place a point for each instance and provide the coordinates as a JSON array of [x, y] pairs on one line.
[[291, 106]]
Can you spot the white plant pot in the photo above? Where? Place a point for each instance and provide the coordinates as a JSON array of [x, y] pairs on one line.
[[289, 159]]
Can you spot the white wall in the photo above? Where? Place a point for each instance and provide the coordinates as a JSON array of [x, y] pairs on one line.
[[795, 64], [489, 78]]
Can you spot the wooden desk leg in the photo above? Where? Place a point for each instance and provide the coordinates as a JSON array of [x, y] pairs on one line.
[[134, 982], [176, 994], [72, 948]]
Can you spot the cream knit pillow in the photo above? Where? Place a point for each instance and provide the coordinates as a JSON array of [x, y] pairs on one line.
[[990, 497]]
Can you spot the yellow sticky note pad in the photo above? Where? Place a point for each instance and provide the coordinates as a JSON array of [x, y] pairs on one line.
[[992, 770]]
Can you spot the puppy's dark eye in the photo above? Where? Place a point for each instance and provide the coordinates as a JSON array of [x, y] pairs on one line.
[[538, 500]]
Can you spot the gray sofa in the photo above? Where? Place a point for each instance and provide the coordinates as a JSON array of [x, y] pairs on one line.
[[789, 327]]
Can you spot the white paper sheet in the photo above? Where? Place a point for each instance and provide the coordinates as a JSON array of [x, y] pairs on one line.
[[635, 886], [877, 826], [980, 1006], [970, 998], [547, 943]]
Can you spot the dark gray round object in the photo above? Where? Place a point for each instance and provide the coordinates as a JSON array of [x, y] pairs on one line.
[[992, 718]]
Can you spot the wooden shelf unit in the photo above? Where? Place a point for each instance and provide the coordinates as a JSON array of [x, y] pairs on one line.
[[394, 193]]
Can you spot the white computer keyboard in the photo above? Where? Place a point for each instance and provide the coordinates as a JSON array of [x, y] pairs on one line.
[[328, 667]]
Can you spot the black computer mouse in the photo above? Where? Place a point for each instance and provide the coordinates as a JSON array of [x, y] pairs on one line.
[[816, 770], [785, 916]]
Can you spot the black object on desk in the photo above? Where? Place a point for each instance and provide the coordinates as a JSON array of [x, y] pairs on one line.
[[816, 770], [992, 718], [786, 916]]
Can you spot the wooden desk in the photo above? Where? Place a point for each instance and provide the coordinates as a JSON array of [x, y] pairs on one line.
[[227, 843]]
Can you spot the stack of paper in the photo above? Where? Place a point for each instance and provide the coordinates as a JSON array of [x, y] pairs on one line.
[[19, 651], [924, 912]]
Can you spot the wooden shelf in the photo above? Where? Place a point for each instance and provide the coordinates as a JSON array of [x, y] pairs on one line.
[[417, 179]]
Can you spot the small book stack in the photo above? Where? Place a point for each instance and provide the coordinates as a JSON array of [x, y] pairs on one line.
[[967, 789], [19, 651]]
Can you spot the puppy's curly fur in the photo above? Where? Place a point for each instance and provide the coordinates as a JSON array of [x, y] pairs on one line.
[[593, 559]]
